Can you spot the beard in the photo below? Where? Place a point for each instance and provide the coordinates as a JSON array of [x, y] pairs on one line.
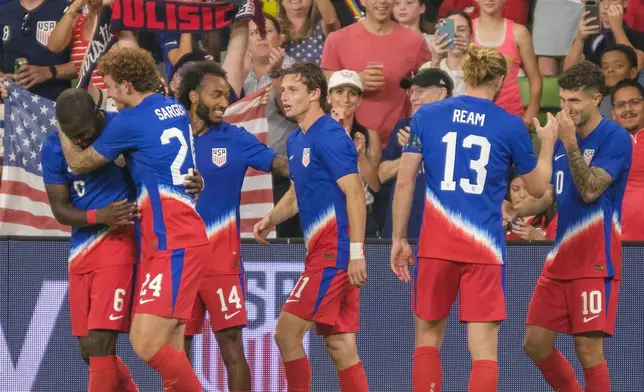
[[203, 112]]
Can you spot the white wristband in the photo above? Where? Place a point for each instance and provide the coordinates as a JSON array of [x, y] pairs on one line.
[[356, 251]]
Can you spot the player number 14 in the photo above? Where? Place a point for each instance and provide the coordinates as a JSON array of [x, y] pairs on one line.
[[448, 183], [233, 298]]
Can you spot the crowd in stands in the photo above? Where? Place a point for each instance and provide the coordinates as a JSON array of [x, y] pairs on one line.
[[383, 60]]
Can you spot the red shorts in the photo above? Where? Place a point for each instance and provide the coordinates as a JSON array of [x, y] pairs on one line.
[[326, 297], [224, 296], [575, 306], [437, 282], [101, 299], [167, 282]]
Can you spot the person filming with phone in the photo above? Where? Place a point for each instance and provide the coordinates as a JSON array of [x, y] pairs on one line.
[[601, 27]]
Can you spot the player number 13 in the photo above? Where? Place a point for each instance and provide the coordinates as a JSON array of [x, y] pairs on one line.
[[448, 183]]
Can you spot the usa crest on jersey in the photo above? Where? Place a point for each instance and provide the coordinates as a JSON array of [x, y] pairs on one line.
[[43, 31], [588, 156], [306, 156], [219, 156]]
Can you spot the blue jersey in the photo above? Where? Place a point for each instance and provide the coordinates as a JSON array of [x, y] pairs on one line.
[[588, 242], [317, 159], [468, 146], [223, 155], [91, 247], [156, 139]]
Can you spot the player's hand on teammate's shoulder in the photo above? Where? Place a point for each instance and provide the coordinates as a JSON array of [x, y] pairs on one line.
[[357, 272], [193, 184], [117, 213], [401, 258], [548, 132], [262, 229]]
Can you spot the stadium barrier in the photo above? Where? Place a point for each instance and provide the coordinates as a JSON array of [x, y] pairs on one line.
[[38, 353]]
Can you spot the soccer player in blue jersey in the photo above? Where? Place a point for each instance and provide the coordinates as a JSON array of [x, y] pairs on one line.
[[103, 246], [153, 132], [578, 290], [468, 145], [328, 193], [224, 153]]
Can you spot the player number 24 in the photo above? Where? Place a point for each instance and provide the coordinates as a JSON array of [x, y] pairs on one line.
[[175, 168], [154, 285], [448, 183]]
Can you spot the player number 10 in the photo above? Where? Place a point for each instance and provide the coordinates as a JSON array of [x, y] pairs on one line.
[[559, 180], [448, 183], [592, 302]]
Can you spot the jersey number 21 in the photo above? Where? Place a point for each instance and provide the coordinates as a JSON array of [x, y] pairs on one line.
[[448, 183]]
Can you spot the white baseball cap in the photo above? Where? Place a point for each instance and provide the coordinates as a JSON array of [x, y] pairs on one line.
[[345, 77]]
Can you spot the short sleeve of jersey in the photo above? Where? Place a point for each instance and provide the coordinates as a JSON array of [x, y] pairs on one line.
[[53, 164], [615, 154], [117, 137], [414, 143], [521, 149], [256, 154], [338, 152]]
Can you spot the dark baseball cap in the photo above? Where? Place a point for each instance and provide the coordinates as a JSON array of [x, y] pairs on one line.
[[430, 77]]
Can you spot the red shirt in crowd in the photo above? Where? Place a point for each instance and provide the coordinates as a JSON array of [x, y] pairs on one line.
[[632, 214], [548, 230], [635, 15], [399, 52], [516, 10]]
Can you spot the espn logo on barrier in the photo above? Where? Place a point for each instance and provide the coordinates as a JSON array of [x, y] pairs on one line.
[[268, 287]]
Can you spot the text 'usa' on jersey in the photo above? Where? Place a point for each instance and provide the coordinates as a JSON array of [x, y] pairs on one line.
[[223, 155], [588, 242], [91, 247], [317, 159], [468, 146], [156, 139]]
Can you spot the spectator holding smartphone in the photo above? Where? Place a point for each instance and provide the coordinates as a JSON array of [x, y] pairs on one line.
[[594, 37], [514, 42], [451, 60]]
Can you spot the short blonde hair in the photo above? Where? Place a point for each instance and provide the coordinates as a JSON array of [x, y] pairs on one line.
[[483, 65]]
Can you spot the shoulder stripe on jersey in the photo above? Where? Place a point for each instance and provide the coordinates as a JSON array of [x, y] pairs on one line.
[[230, 218], [483, 237], [575, 230], [318, 224]]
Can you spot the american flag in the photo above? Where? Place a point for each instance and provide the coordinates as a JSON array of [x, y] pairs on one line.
[[24, 207], [257, 190]]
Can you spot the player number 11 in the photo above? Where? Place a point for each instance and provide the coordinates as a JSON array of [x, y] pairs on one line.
[[448, 183]]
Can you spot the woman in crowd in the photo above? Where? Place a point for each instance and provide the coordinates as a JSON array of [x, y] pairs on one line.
[[345, 93], [76, 28], [409, 13], [529, 228], [305, 24], [514, 42], [451, 60]]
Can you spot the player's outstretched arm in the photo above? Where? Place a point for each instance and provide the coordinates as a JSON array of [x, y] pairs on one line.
[[591, 182], [117, 213], [357, 212], [537, 181], [79, 160], [285, 209], [280, 166], [401, 256]]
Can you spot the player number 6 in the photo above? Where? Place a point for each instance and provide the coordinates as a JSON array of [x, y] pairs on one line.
[[118, 299]]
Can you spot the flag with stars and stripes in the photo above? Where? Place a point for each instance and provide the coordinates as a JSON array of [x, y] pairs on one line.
[[24, 207]]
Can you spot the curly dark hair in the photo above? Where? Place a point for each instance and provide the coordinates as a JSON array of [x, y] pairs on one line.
[[312, 76], [134, 65], [583, 76], [192, 76]]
